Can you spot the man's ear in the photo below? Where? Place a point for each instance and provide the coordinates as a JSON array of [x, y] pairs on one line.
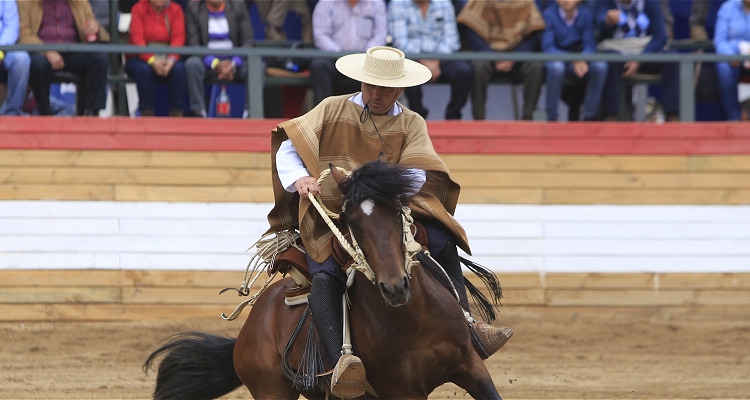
[[382, 158]]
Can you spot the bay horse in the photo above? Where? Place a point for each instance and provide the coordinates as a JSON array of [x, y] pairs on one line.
[[409, 331]]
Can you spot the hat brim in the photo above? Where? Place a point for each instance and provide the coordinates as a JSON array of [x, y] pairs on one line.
[[352, 65]]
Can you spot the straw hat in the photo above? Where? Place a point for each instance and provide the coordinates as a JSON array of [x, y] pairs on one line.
[[383, 66]]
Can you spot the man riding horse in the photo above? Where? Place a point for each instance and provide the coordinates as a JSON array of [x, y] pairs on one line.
[[349, 131]]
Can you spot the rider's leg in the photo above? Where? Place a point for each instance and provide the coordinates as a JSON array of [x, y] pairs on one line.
[[328, 285], [487, 339]]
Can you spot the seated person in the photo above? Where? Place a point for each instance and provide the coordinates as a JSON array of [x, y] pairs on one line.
[[732, 37], [429, 26], [157, 23], [49, 21], [273, 15], [518, 31], [343, 25], [13, 63], [634, 27], [570, 29], [703, 19], [216, 24]]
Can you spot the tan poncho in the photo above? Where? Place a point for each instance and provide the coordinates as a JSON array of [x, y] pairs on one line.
[[332, 133], [503, 24]]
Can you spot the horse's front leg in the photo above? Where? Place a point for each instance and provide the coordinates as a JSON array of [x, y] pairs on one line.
[[475, 379]]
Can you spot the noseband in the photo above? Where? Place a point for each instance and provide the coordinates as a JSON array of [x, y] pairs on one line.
[[410, 246]]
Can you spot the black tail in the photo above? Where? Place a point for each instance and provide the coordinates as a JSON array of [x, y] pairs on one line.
[[195, 366], [485, 307]]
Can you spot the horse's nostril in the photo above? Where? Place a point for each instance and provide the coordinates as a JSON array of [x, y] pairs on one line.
[[406, 283]]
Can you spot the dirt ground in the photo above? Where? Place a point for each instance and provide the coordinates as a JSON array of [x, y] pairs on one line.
[[561, 353]]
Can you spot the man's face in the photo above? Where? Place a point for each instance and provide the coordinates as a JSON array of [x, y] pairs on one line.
[[158, 3], [215, 3], [378, 98], [568, 5]]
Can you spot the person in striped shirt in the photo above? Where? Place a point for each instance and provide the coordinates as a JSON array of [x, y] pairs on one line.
[[343, 25], [216, 24]]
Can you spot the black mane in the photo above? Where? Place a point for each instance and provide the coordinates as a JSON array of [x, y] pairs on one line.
[[381, 182]]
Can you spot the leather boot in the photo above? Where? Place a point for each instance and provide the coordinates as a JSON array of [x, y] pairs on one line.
[[486, 338], [348, 379], [175, 113], [147, 112]]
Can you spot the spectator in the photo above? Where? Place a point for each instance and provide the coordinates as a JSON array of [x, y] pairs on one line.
[[273, 14], [343, 25], [13, 63], [570, 29], [732, 37], [157, 23], [518, 30], [101, 12], [429, 26], [703, 19], [634, 27], [216, 24], [51, 21]]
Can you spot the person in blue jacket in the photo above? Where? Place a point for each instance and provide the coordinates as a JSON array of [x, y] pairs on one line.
[[634, 27], [14, 64], [570, 29], [732, 36]]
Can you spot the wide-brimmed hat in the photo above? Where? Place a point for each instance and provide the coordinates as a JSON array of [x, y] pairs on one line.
[[383, 66]]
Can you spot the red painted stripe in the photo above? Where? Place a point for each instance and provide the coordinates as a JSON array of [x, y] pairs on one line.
[[449, 137]]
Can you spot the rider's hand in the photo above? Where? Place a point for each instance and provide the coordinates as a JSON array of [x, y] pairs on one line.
[[307, 184]]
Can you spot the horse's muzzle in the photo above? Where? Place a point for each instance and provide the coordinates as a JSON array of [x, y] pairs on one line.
[[396, 293]]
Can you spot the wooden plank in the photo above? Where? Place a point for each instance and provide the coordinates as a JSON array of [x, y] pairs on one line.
[[639, 196], [620, 298], [523, 297], [120, 278], [56, 192], [160, 295], [684, 181], [194, 193], [599, 281], [112, 312], [663, 230], [248, 228], [734, 298], [152, 176], [704, 281], [552, 162], [134, 159], [60, 295], [598, 163], [523, 280], [51, 226], [501, 196], [58, 260], [661, 263]]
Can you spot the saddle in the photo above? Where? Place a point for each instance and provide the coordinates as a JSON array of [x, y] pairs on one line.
[[293, 262]]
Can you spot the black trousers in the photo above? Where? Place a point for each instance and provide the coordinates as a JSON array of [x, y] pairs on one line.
[[93, 68], [459, 74]]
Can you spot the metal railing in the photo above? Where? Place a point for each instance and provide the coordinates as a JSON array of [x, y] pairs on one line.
[[255, 72]]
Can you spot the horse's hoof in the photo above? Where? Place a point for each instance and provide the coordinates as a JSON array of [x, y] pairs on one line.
[[349, 379], [488, 339]]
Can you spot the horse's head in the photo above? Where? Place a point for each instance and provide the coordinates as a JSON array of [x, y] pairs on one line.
[[373, 196]]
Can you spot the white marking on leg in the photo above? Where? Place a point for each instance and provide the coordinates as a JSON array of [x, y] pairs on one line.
[[367, 206]]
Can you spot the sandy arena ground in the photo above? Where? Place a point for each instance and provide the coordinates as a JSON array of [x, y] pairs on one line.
[[556, 353]]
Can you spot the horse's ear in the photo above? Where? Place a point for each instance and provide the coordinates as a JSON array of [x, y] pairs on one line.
[[382, 158], [337, 175]]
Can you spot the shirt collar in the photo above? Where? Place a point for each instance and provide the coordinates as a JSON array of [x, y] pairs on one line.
[[357, 99], [564, 16]]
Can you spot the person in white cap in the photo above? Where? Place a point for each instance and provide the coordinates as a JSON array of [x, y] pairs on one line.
[[349, 131]]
